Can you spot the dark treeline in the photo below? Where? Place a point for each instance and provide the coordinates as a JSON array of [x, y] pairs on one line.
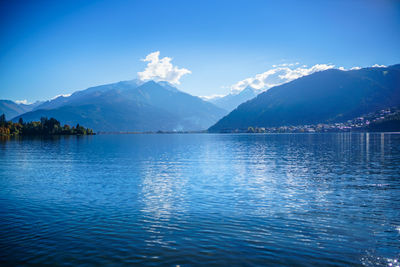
[[43, 127], [389, 124]]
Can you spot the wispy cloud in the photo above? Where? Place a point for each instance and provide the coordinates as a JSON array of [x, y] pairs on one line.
[[278, 75], [378, 66], [25, 102], [210, 97], [161, 69], [63, 95], [286, 65]]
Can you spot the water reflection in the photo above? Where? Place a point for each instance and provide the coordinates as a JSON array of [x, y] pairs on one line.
[[382, 146], [285, 199]]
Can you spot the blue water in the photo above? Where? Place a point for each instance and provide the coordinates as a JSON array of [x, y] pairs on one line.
[[170, 199]]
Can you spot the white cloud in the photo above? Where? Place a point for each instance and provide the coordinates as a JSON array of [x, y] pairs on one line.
[[211, 97], [25, 102], [378, 66], [161, 69], [278, 75], [286, 65], [57, 96]]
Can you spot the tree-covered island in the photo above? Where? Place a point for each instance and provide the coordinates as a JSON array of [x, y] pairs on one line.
[[43, 127]]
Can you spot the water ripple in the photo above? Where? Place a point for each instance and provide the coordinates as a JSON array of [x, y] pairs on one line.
[[288, 199]]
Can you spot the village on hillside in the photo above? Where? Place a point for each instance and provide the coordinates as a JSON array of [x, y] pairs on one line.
[[375, 121]]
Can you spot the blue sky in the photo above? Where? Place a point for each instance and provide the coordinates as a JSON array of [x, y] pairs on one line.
[[49, 48]]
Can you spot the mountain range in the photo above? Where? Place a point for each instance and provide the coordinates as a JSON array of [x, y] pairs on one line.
[[11, 109], [232, 100], [322, 97], [130, 106], [327, 96]]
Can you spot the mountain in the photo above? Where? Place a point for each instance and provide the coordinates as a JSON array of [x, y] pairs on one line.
[[231, 101], [130, 106], [12, 109], [87, 94], [327, 96]]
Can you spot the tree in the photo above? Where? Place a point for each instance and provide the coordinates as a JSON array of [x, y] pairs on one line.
[[66, 129], [4, 131], [3, 120], [43, 127], [80, 129], [43, 120]]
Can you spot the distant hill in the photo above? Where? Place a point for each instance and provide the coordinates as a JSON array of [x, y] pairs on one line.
[[231, 101], [326, 96], [87, 94], [130, 106], [389, 124], [12, 109]]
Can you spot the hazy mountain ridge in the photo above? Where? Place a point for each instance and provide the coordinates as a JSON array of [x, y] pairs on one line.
[[87, 93], [130, 106], [326, 96], [12, 109], [231, 101]]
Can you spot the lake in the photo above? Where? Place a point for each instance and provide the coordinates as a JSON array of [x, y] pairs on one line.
[[201, 199]]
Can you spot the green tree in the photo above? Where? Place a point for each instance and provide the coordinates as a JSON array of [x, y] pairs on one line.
[[43, 127], [250, 130], [3, 120], [80, 130]]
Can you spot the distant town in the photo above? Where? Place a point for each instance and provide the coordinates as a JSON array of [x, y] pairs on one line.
[[382, 120]]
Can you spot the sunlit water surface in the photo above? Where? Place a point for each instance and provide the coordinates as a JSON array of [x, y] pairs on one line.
[[285, 199]]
